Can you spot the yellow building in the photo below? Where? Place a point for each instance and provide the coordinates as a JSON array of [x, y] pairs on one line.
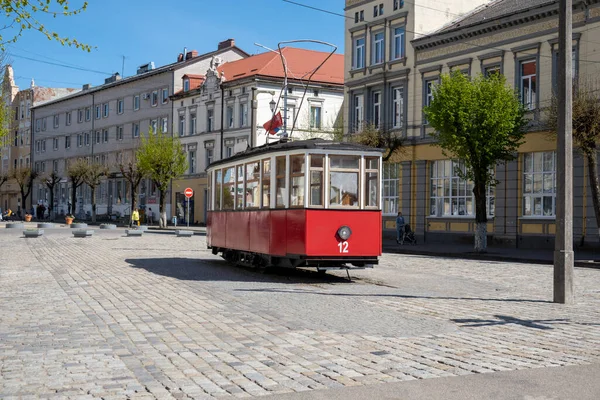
[[518, 39]]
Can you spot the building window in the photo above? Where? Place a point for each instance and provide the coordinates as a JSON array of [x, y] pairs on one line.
[[55, 144], [209, 156], [120, 132], [192, 161], [98, 112], [398, 4], [359, 53], [105, 135], [315, 117], [38, 125], [193, 123], [539, 184], [362, 15], [243, 114], [136, 102], [378, 48], [398, 107], [428, 95], [230, 116], [44, 123], [210, 116], [398, 50], [165, 95], [451, 195], [528, 83], [181, 125], [228, 151], [489, 70], [375, 11], [28, 108], [391, 182], [154, 98], [79, 139], [88, 113], [120, 106], [356, 17], [154, 125], [164, 124], [359, 113], [80, 116], [381, 9], [105, 109], [68, 118], [37, 146], [376, 109], [43, 143], [55, 165], [67, 142], [135, 129], [88, 138], [186, 85], [98, 137]]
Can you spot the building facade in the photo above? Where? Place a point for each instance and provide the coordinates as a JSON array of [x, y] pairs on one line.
[[223, 110], [15, 152], [104, 124]]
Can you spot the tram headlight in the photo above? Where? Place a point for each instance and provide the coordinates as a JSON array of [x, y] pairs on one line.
[[344, 232]]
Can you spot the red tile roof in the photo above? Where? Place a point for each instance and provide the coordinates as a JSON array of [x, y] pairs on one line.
[[300, 64], [195, 81]]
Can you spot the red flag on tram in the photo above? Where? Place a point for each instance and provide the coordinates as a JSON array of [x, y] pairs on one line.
[[274, 124]]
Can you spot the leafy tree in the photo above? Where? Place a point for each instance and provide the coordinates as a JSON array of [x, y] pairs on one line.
[[481, 123], [24, 177], [6, 111], [51, 180], [76, 173], [22, 16], [131, 171], [586, 129], [381, 138], [161, 156], [93, 177]]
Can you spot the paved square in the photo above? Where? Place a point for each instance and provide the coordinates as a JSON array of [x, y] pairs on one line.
[[159, 316]]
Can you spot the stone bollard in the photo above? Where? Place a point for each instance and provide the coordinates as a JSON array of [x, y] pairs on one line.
[[15, 225], [183, 233], [33, 233], [81, 233], [108, 226], [47, 225], [134, 232]]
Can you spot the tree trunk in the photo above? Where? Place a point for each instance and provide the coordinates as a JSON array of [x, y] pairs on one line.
[[73, 198], [479, 191], [594, 184], [162, 223], [51, 205], [23, 199], [93, 189]]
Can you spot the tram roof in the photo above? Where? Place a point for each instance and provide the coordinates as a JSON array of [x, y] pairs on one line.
[[309, 144]]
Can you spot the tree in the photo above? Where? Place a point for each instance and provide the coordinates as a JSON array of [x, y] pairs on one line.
[[586, 130], [23, 16], [481, 123], [76, 173], [24, 177], [51, 180], [93, 177], [161, 156], [131, 171], [381, 138], [6, 111], [3, 179]]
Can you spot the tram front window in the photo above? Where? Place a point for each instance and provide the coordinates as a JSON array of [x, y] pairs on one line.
[[280, 181], [343, 180], [371, 182], [316, 180], [297, 181]]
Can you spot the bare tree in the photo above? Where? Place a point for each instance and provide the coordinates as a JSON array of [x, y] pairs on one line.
[[3, 179], [389, 140], [51, 180], [93, 177], [131, 171], [586, 129], [76, 173], [24, 177]]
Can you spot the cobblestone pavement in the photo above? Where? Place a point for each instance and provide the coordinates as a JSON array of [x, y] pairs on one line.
[[161, 317]]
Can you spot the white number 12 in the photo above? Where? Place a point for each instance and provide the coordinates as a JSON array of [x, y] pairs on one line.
[[343, 247]]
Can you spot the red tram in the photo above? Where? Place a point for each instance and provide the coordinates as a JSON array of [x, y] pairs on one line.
[[308, 203]]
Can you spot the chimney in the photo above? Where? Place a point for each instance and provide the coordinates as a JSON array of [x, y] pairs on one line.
[[191, 54], [115, 77], [226, 44], [180, 57], [86, 86]]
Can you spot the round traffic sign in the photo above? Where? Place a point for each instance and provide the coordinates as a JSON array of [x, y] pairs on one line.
[[188, 192]]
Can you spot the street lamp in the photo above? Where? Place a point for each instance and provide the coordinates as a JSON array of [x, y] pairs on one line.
[[272, 105]]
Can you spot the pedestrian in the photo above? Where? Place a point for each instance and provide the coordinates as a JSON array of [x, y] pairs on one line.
[[135, 218], [399, 228], [150, 219]]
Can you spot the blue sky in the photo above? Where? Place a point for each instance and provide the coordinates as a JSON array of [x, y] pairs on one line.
[[158, 30]]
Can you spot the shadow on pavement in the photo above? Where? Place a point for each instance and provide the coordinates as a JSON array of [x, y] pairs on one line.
[[505, 320], [194, 269]]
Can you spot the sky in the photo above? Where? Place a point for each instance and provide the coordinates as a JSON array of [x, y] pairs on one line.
[[158, 30]]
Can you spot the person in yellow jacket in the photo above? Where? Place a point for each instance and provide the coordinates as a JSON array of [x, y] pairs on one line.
[[135, 217]]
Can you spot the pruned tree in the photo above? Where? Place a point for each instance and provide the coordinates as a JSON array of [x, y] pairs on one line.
[[480, 122], [76, 173], [93, 177], [161, 156], [389, 140], [586, 129], [24, 176], [131, 171], [51, 180], [23, 15]]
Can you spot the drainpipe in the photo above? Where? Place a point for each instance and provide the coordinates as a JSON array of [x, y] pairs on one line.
[[222, 117], [253, 106], [31, 147]]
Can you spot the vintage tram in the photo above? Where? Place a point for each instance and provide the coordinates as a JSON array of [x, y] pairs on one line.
[[306, 203]]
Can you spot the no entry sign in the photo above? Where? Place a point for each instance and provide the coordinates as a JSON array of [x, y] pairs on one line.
[[188, 192]]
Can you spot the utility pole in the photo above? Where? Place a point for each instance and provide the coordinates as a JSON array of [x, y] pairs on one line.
[[563, 249]]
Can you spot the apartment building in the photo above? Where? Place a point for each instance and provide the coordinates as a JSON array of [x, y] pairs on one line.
[[222, 111], [380, 75], [15, 151], [105, 123]]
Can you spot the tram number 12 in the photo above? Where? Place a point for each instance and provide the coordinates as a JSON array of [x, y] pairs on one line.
[[343, 247]]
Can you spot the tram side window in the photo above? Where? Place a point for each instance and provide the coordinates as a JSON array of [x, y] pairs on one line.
[[228, 188], [280, 184], [343, 180], [218, 185], [297, 181], [371, 182], [316, 180], [266, 183], [252, 189], [239, 193]]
